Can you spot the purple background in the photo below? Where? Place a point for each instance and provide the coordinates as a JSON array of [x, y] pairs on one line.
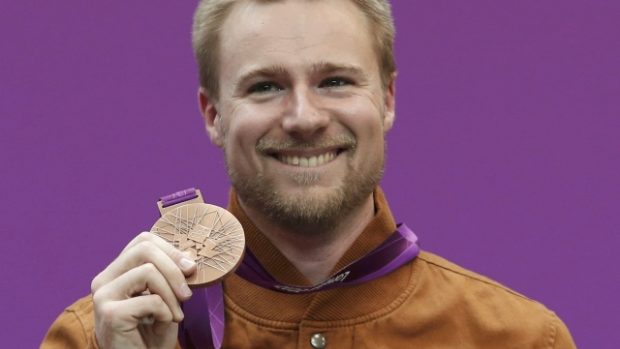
[[504, 157]]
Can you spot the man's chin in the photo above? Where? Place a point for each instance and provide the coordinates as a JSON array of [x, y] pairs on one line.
[[309, 190], [312, 206], [305, 207]]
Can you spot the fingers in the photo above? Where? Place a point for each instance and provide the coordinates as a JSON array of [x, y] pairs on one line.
[[186, 264], [136, 297], [126, 315], [135, 281], [148, 248]]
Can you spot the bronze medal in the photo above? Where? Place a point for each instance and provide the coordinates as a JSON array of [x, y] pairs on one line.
[[210, 234]]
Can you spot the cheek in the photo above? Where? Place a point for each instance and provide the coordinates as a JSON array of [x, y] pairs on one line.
[[240, 138], [364, 117], [244, 126]]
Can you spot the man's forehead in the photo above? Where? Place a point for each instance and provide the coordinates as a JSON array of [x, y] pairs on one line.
[[250, 18], [293, 25], [295, 37]]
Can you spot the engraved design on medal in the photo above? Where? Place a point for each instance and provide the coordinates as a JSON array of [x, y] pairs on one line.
[[212, 236]]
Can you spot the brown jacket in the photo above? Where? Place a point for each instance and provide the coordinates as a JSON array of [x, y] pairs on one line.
[[429, 303]]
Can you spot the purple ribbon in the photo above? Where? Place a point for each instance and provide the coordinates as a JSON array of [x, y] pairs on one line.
[[397, 250], [192, 334], [179, 196], [206, 309]]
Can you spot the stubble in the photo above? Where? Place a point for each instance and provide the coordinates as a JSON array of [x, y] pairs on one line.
[[313, 211]]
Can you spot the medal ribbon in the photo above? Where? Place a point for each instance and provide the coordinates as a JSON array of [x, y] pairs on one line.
[[398, 249]]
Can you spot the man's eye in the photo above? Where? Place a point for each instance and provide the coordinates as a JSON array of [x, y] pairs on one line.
[[335, 82], [264, 87]]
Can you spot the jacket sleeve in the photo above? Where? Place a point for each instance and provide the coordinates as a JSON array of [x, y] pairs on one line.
[[562, 338], [74, 328]]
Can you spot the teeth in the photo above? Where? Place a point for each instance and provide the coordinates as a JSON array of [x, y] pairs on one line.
[[311, 161]]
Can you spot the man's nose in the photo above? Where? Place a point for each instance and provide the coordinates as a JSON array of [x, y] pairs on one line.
[[305, 116]]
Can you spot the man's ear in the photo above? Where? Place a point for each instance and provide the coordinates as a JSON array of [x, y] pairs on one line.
[[211, 117], [390, 104]]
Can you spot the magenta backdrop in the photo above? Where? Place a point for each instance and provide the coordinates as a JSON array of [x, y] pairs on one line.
[[504, 157]]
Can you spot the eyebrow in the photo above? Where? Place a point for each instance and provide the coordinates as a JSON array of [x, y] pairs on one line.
[[328, 67], [270, 71]]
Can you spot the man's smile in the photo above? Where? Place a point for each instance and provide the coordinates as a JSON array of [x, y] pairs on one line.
[[306, 154], [307, 160]]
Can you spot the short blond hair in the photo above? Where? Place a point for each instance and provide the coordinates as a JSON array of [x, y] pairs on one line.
[[211, 14]]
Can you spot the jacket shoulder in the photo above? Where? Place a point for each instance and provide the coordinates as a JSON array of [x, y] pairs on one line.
[[74, 327], [484, 309], [460, 274]]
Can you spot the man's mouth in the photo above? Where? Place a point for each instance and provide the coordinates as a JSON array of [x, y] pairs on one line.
[[303, 154], [307, 161]]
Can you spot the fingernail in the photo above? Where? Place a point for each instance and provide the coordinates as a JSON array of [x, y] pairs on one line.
[[185, 290], [186, 263], [181, 315]]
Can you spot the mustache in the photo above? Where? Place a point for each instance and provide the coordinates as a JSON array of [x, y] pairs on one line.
[[344, 141]]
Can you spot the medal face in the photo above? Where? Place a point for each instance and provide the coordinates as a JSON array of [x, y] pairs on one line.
[[212, 236]]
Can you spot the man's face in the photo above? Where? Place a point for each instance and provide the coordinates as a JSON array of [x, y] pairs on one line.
[[302, 113]]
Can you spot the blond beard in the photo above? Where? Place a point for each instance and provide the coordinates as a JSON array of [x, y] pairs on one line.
[[308, 212]]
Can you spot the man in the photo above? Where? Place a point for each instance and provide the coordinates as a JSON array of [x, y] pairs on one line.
[[299, 94]]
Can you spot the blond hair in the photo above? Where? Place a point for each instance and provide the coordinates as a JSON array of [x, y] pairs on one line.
[[211, 14]]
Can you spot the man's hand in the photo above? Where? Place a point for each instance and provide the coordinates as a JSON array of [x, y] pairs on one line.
[[136, 298]]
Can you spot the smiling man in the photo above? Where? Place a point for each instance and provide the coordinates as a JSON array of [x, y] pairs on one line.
[[299, 94], [301, 111]]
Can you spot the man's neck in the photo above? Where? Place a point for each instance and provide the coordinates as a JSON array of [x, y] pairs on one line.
[[315, 255]]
